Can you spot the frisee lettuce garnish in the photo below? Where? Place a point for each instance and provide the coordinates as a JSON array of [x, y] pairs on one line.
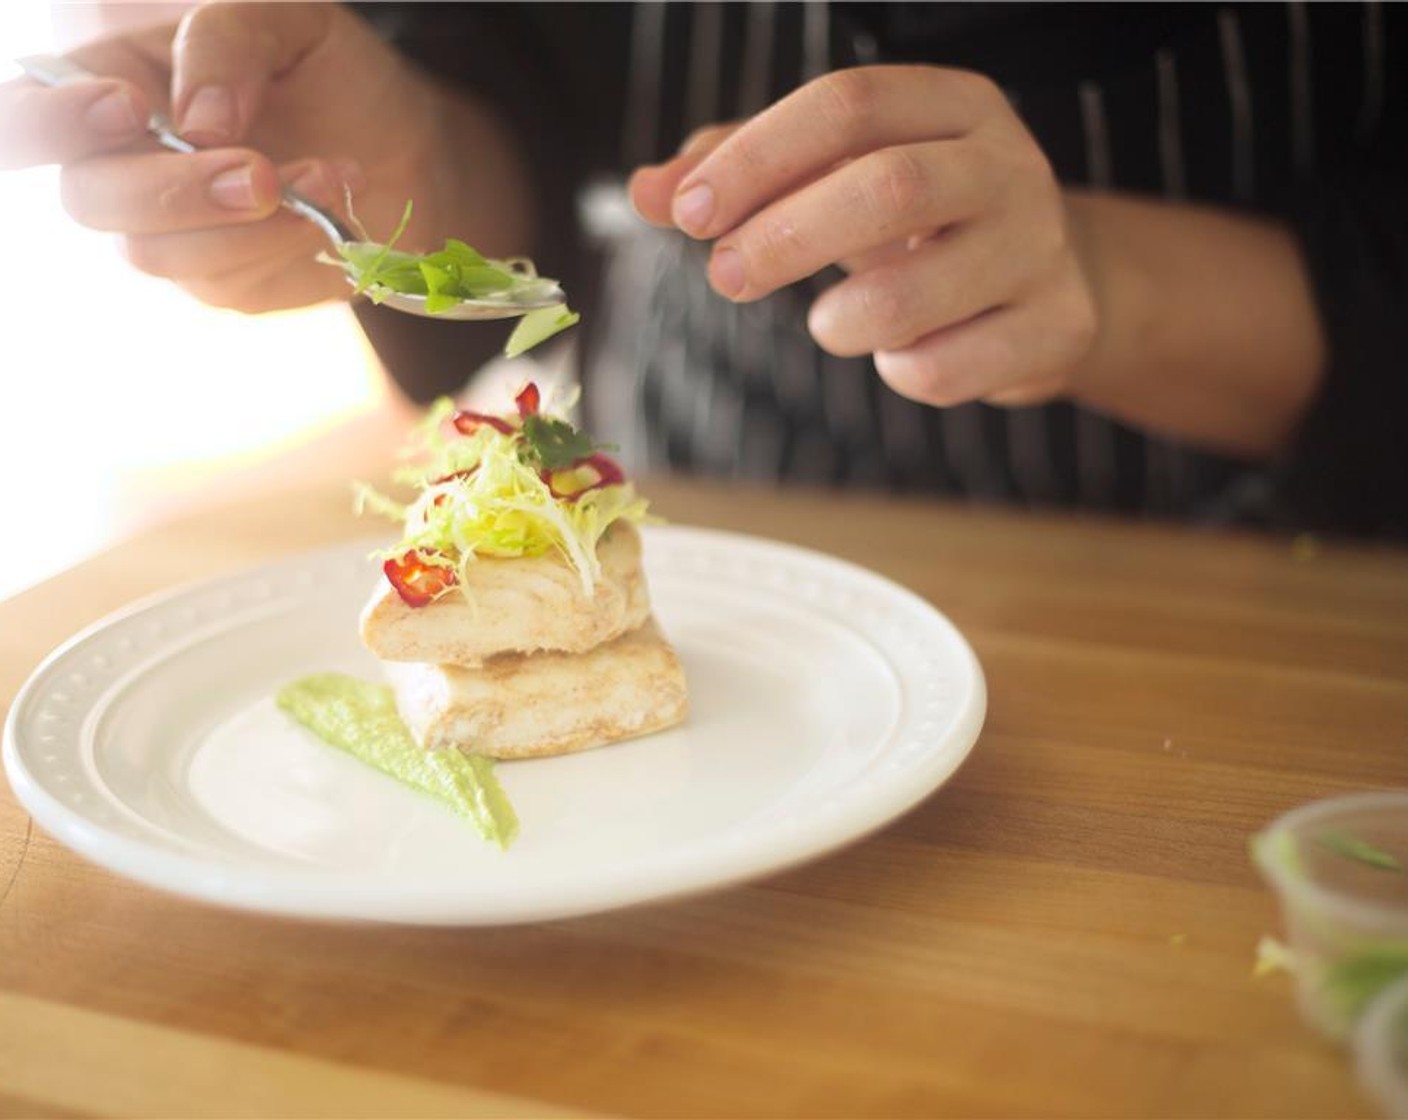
[[539, 326], [449, 277], [505, 487]]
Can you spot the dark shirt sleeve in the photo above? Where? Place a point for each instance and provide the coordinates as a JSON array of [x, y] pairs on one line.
[[1349, 469], [555, 76]]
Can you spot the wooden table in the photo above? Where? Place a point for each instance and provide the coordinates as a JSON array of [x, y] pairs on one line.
[[1067, 928]]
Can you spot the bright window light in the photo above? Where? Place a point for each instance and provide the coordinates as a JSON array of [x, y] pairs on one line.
[[117, 389]]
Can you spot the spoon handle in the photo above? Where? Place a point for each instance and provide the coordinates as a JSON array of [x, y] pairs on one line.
[[56, 70]]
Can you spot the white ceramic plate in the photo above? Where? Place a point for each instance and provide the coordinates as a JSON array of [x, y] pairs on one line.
[[826, 701]]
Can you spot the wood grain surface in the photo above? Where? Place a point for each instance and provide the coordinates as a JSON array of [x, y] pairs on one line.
[[1066, 928]]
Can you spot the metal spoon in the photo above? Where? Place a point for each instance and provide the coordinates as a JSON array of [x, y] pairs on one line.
[[56, 70]]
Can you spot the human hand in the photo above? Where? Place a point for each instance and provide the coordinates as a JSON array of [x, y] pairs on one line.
[[296, 94], [965, 281]]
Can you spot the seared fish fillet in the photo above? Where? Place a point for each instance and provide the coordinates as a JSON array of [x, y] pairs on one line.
[[545, 703], [514, 606]]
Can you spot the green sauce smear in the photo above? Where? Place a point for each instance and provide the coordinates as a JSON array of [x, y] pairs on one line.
[[361, 719]]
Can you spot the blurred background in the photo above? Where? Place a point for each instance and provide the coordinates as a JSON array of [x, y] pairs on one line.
[[120, 397]]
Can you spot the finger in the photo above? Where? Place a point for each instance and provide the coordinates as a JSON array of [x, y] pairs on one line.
[[891, 253], [142, 57], [652, 188], [213, 254], [225, 55], [273, 286], [940, 283], [41, 125], [961, 363], [862, 205], [840, 116], [706, 138], [1026, 395], [1027, 344], [85, 118], [163, 192]]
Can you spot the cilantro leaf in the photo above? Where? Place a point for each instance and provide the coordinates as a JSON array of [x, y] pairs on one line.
[[373, 267], [453, 275], [555, 443], [439, 287], [481, 280], [462, 254]]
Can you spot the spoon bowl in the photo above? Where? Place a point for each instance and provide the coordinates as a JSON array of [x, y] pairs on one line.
[[469, 310]]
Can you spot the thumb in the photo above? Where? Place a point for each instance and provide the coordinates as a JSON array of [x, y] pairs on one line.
[[225, 55]]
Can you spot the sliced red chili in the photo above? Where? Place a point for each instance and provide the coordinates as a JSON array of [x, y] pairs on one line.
[[607, 471], [417, 582], [529, 400], [467, 423]]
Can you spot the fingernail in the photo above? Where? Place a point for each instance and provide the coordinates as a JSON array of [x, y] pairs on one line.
[[113, 114], [694, 208], [726, 272], [211, 114], [234, 189], [309, 181]]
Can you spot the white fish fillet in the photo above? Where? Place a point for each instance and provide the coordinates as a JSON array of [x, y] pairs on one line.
[[520, 605], [519, 706]]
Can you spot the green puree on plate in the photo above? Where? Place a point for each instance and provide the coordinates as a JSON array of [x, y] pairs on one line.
[[361, 719]]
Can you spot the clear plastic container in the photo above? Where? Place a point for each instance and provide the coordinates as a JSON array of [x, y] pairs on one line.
[[1340, 869], [1381, 1049]]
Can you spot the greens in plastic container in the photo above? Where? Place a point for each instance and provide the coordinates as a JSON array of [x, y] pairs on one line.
[[1381, 1049], [1338, 868]]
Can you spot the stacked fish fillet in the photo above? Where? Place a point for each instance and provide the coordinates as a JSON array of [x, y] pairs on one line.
[[521, 659]]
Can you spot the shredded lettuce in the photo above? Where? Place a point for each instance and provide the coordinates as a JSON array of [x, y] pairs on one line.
[[452, 275], [539, 326], [489, 494], [369, 498]]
